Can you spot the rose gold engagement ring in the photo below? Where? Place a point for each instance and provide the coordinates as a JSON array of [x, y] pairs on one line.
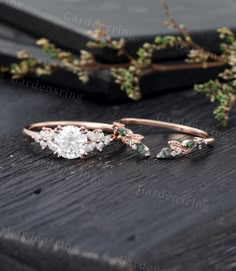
[[75, 139]]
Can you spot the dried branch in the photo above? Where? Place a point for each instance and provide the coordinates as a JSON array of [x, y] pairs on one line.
[[171, 23], [129, 74]]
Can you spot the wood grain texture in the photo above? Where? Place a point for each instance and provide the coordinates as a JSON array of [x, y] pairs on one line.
[[116, 202]]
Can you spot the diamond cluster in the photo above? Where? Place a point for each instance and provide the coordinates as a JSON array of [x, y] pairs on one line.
[[72, 142]]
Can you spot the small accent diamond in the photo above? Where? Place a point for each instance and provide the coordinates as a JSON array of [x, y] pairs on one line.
[[72, 142]]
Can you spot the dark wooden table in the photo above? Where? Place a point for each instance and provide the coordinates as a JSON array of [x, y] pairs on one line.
[[96, 204], [142, 214]]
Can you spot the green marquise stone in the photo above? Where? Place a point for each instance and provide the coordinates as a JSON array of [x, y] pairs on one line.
[[143, 149], [165, 154], [122, 132], [190, 144]]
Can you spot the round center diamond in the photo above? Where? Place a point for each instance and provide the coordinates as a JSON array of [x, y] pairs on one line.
[[70, 142]]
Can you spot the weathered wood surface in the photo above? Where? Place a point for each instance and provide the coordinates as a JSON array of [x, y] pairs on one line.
[[109, 202], [115, 202]]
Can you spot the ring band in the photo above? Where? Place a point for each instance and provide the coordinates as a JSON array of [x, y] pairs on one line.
[[175, 148], [75, 139]]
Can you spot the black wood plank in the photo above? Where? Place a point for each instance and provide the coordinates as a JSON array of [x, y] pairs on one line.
[[11, 34]]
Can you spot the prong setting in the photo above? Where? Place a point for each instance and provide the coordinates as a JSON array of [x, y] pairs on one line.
[[131, 139], [72, 142]]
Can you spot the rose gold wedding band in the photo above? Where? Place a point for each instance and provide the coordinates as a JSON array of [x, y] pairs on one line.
[[175, 148]]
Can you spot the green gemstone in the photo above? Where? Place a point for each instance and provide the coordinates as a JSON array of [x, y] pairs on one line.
[[122, 132], [165, 154], [190, 144], [143, 149]]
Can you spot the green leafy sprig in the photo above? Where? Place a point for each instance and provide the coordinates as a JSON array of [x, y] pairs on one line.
[[128, 75]]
